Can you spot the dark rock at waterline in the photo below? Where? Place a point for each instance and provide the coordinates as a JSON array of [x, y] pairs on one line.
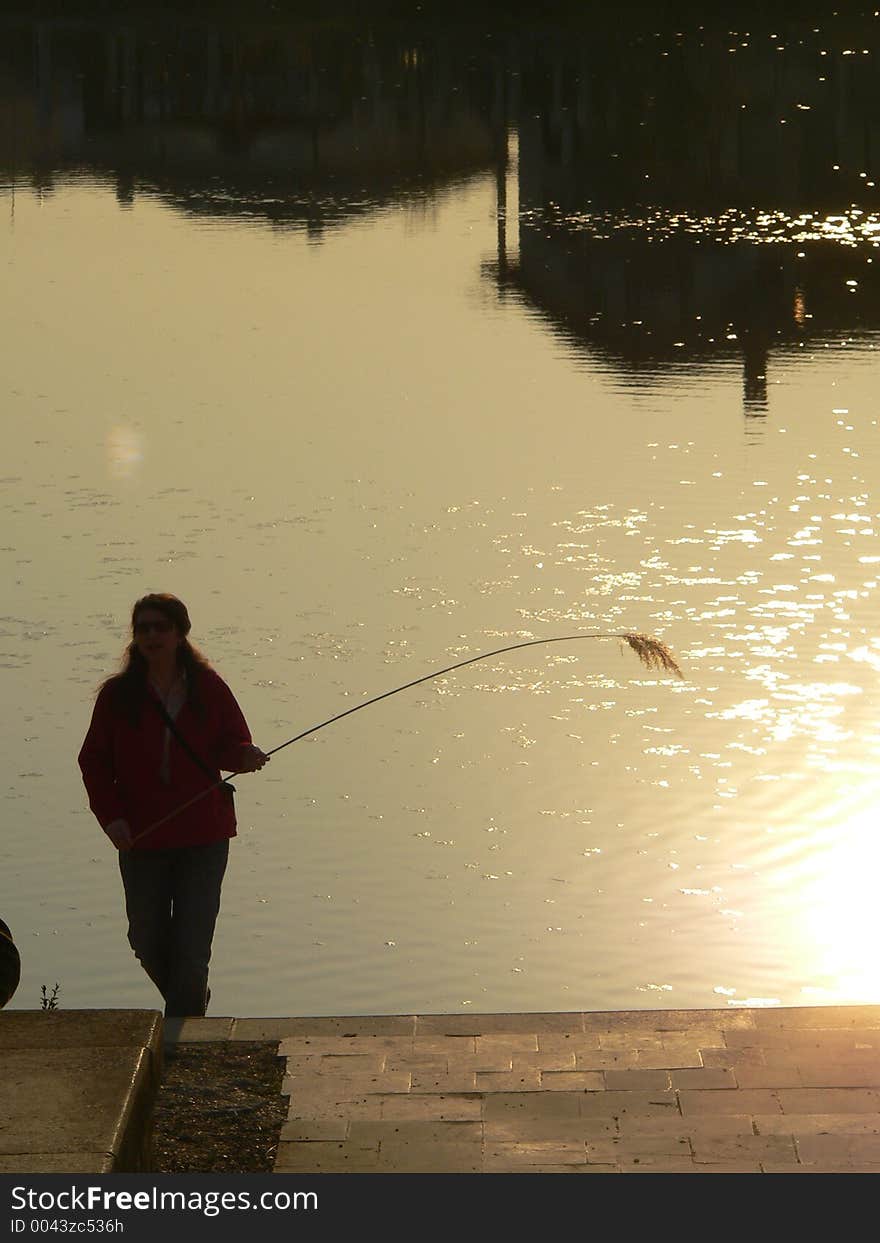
[[10, 965]]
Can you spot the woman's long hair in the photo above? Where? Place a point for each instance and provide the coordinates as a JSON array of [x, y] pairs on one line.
[[128, 687]]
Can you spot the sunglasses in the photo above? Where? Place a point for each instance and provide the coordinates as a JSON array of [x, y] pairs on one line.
[[144, 627]]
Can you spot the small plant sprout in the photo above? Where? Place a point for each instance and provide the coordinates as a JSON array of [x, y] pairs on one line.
[[49, 1000]]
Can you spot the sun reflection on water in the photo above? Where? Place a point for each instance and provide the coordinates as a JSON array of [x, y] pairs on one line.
[[125, 451], [853, 228], [841, 916]]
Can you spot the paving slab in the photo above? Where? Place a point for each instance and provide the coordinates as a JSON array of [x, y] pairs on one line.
[[353, 1084], [642, 1126], [858, 1168], [543, 1061], [429, 1063], [501, 1156], [707, 1077], [681, 1057], [435, 1107], [427, 1081], [670, 1020], [650, 1164], [863, 1018], [573, 1080], [338, 1064], [681, 1166], [634, 1080], [620, 1104], [822, 1149], [569, 1169], [722, 1101], [196, 1030], [400, 1131], [512, 1080], [530, 1105], [627, 1150], [782, 1076], [817, 1124], [465, 1063], [506, 1043], [517, 1129], [303, 1044], [438, 1157], [358, 1025], [779, 1149], [840, 1076], [329, 1129], [815, 1055], [828, 1100], [568, 1042], [607, 1059], [730, 1058], [369, 1107], [486, 1024], [322, 1157]]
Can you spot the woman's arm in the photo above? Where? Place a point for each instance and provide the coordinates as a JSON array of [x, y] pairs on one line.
[[234, 751], [97, 768]]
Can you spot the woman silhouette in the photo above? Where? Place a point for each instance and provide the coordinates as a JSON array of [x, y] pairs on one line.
[[161, 731]]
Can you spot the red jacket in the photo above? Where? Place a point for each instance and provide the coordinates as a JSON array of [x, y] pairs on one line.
[[120, 765]]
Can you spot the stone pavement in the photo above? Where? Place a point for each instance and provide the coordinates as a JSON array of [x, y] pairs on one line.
[[678, 1091], [649, 1091]]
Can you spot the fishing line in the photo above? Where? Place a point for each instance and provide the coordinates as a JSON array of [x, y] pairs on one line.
[[651, 652]]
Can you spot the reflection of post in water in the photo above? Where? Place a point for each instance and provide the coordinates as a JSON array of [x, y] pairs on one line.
[[758, 311], [124, 188], [507, 208], [501, 168], [755, 358], [501, 208]]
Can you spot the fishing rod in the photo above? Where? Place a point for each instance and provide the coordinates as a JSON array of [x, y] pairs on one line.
[[651, 653]]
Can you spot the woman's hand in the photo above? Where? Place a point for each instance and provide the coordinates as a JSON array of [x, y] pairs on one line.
[[119, 833], [251, 759]]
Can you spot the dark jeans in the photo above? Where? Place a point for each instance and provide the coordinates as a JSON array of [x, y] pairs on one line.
[[172, 898]]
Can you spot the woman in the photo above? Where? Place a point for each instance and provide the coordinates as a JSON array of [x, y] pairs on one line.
[[161, 731]]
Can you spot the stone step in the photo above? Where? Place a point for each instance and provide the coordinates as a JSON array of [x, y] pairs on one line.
[[77, 1090]]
